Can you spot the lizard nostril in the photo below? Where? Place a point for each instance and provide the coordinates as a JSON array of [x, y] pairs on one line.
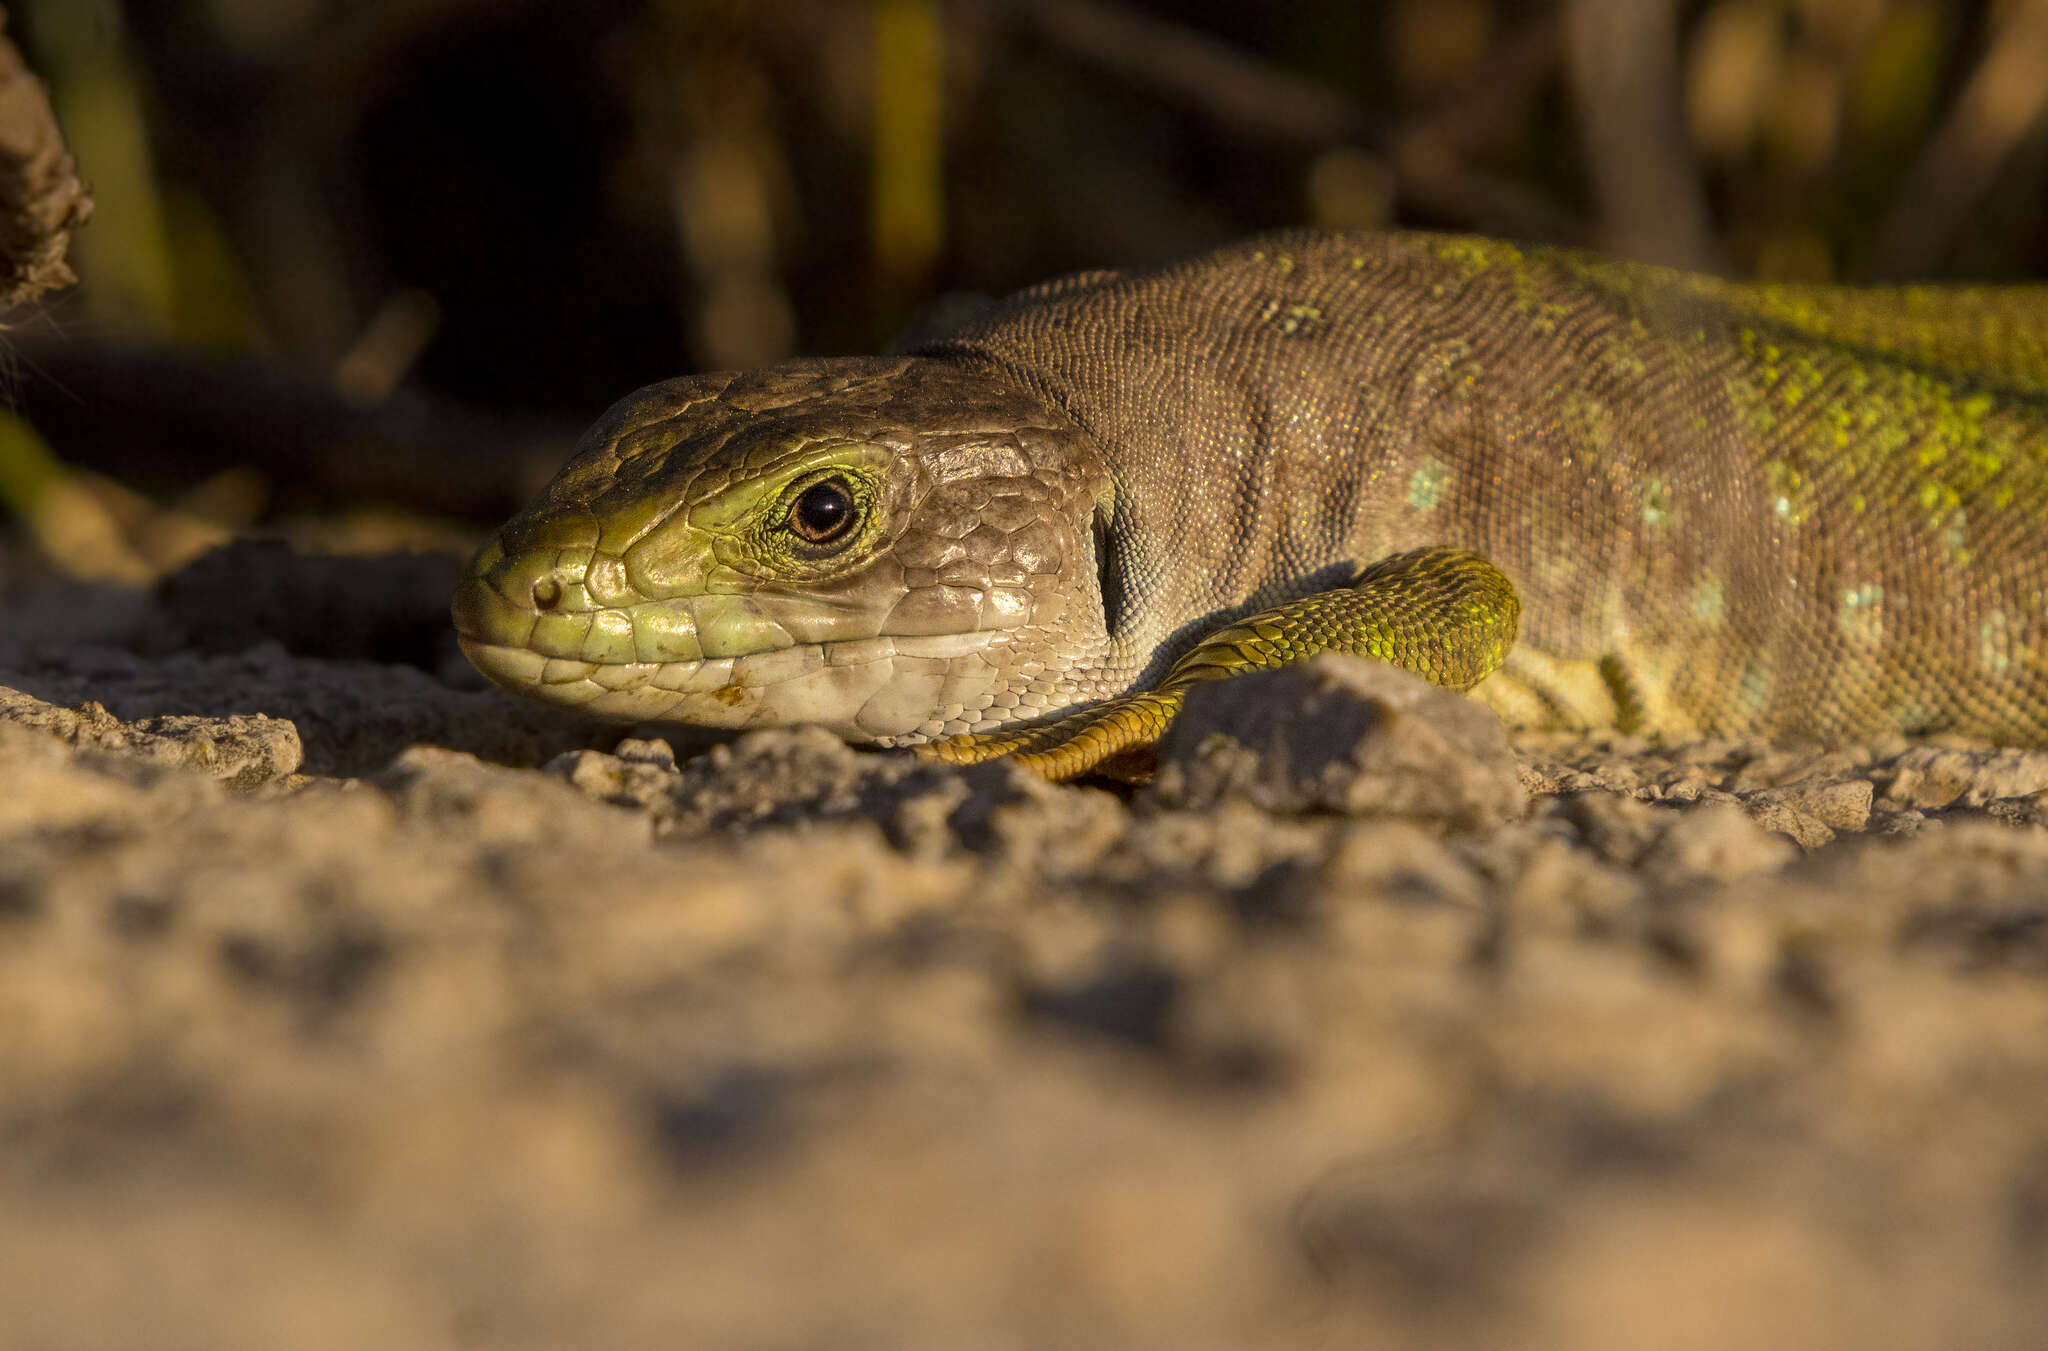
[[547, 594]]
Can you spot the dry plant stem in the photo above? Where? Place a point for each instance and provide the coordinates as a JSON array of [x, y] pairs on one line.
[[1428, 156], [1623, 59], [160, 418], [41, 198], [1236, 88]]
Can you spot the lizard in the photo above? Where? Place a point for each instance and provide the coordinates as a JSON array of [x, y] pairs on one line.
[[1596, 493]]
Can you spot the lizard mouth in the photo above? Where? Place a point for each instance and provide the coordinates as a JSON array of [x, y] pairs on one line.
[[883, 688]]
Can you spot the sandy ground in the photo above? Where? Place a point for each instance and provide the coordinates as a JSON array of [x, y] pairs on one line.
[[344, 1003]]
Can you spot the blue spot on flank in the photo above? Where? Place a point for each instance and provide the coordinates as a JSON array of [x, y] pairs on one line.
[[1426, 484]]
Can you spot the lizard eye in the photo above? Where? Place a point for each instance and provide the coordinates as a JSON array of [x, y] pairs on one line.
[[822, 512]]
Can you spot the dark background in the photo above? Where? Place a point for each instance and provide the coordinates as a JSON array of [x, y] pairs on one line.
[[387, 255]]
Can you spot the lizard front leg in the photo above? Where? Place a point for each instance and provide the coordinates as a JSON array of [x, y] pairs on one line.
[[1446, 614]]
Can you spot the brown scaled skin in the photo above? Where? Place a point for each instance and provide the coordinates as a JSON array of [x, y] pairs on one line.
[[681, 587]]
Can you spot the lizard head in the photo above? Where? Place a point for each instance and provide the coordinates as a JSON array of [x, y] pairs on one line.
[[895, 548]]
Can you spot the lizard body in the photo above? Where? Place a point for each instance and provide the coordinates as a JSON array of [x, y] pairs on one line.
[[1797, 511]]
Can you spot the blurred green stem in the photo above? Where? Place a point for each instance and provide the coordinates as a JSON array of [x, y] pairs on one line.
[[125, 259], [908, 199]]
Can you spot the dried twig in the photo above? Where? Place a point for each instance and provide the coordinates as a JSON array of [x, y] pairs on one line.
[[1235, 88], [1623, 56], [163, 418], [1253, 97], [41, 198]]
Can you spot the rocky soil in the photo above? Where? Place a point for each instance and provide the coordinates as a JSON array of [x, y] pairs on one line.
[[344, 1003]]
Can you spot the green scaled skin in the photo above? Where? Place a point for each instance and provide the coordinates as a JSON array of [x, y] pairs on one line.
[[1801, 512], [1445, 614]]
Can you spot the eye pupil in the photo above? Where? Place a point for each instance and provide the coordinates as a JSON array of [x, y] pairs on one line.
[[822, 512]]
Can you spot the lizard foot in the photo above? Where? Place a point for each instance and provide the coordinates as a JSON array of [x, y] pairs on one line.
[[1446, 614]]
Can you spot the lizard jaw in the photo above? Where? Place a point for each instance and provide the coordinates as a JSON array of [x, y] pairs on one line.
[[903, 689], [718, 660]]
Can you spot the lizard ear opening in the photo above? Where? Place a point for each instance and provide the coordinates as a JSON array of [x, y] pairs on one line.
[[1109, 579]]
